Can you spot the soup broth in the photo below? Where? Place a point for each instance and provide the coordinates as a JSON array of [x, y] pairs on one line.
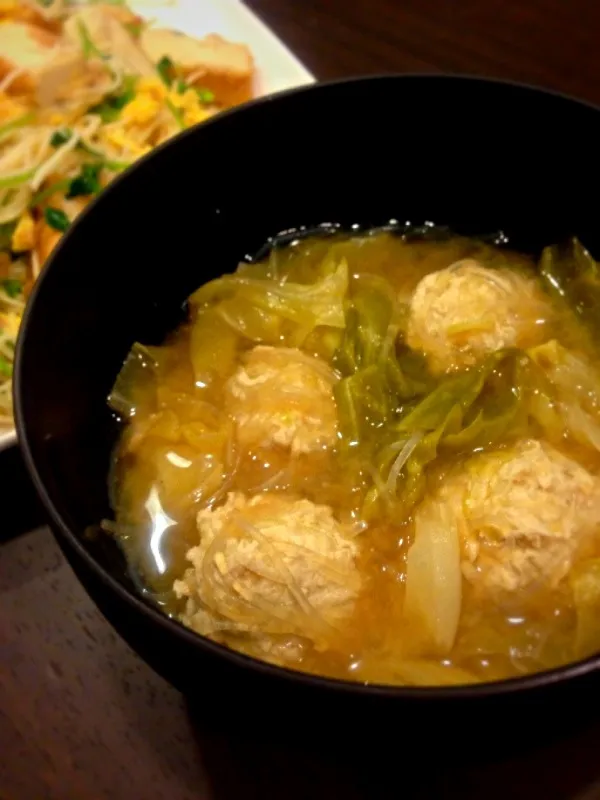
[[351, 461]]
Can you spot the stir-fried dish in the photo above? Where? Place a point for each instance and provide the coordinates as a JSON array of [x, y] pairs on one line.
[[375, 457], [85, 90]]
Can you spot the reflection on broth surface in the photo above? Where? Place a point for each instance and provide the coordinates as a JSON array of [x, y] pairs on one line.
[[375, 458]]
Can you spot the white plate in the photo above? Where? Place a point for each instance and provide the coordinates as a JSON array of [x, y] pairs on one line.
[[277, 67]]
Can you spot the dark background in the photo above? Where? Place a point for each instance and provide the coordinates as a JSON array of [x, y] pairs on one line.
[[81, 718]]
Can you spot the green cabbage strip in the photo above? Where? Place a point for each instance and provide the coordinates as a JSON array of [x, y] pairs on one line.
[[247, 306], [465, 412], [547, 391], [379, 375], [137, 373], [569, 272], [566, 400]]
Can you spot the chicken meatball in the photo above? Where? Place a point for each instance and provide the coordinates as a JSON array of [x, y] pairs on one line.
[[270, 568], [522, 514], [281, 396], [459, 314]]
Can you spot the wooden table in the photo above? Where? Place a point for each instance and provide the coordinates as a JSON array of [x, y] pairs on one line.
[[81, 717]]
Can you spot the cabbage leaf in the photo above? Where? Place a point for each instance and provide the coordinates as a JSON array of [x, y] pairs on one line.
[[434, 580], [547, 390], [570, 274], [135, 382], [308, 305], [566, 394], [233, 310], [379, 375], [585, 585]]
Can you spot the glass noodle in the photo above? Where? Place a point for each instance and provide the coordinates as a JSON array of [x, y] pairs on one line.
[[352, 558]]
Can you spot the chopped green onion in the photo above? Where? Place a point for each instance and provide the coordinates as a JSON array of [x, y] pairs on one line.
[[87, 182], [59, 186], [206, 96], [81, 145], [12, 287], [6, 232], [135, 28], [87, 43], [177, 113], [6, 368], [181, 87], [110, 109], [113, 166], [117, 166], [17, 123], [61, 137], [17, 179], [165, 68], [57, 219]]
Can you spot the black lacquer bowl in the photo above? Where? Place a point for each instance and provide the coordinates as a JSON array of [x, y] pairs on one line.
[[474, 154]]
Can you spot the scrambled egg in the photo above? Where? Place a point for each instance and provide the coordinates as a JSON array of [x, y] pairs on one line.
[[9, 322], [148, 102], [10, 108], [144, 117], [142, 109], [23, 237], [152, 96], [119, 138], [461, 313], [189, 104]]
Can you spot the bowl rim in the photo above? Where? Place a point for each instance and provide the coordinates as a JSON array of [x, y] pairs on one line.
[[62, 530]]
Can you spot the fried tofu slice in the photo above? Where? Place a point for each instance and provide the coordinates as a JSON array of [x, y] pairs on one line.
[[106, 27], [225, 68], [41, 69], [16, 11], [120, 13]]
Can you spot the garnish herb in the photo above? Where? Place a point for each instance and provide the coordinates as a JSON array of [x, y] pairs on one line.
[[87, 43], [57, 219], [206, 96], [6, 232], [12, 287], [6, 368], [110, 108], [61, 137], [166, 70], [87, 182]]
